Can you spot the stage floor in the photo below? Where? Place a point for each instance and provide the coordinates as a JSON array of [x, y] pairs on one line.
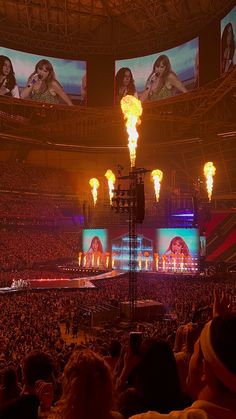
[[69, 283], [88, 282]]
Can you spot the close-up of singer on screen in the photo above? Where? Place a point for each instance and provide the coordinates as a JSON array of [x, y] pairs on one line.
[[8, 85], [162, 81], [42, 85]]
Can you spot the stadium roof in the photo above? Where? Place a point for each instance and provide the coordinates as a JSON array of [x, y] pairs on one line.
[[121, 28]]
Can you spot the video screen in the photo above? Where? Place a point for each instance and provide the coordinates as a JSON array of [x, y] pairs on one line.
[[42, 79], [177, 250], [143, 257], [228, 41], [158, 76], [94, 243]]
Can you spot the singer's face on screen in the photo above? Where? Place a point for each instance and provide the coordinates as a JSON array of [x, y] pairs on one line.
[[176, 247], [95, 245], [42, 72], [6, 68], [127, 78], [159, 69]]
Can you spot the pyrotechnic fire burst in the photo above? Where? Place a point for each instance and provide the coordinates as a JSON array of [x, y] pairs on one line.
[[157, 176], [209, 172], [94, 183], [132, 110], [111, 182]]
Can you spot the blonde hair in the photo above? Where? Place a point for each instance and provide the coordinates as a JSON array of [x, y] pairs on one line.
[[87, 388]]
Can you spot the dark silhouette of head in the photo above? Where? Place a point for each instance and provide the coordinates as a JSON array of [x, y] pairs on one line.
[[87, 387], [37, 366], [157, 377], [213, 363]]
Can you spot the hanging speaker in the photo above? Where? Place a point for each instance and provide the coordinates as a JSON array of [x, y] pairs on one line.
[[86, 213]]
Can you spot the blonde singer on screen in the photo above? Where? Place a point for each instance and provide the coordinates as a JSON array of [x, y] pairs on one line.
[[94, 257], [178, 255], [162, 81], [42, 85]]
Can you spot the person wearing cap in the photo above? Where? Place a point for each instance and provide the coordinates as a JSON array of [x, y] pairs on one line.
[[212, 372]]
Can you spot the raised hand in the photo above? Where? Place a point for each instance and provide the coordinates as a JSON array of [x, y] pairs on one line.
[[222, 304]]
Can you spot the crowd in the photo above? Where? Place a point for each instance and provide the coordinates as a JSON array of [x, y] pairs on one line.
[[30, 321], [23, 177], [18, 206], [25, 249], [108, 375], [34, 212]]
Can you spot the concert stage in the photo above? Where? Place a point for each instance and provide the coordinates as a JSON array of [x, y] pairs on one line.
[[59, 283], [83, 282]]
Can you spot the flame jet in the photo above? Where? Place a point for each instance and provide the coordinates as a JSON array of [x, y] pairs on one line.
[[132, 110], [111, 182], [94, 183], [157, 176], [209, 172]]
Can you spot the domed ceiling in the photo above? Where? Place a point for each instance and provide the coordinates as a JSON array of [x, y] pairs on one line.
[[77, 28], [182, 131]]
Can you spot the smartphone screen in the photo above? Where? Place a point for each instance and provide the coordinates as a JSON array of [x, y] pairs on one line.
[[135, 339]]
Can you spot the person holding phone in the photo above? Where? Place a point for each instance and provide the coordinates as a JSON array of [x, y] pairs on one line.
[[155, 383], [42, 85], [135, 342]]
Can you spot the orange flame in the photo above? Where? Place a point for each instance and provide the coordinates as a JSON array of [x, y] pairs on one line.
[[157, 176], [156, 256], [94, 183], [132, 110], [111, 182], [209, 172]]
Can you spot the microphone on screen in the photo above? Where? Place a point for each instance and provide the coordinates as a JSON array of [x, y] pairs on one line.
[[34, 80]]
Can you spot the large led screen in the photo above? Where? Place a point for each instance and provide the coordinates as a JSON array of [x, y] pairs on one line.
[[143, 257], [228, 41], [42, 79], [158, 76], [178, 250], [94, 243]]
